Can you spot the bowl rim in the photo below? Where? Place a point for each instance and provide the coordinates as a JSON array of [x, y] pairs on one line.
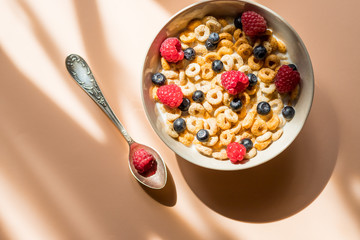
[[300, 124]]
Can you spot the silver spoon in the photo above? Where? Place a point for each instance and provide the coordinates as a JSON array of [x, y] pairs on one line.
[[80, 71]]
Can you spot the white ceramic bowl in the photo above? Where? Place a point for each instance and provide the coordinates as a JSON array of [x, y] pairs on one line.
[[297, 53]]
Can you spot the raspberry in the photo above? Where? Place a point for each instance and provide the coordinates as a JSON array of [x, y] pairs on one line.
[[234, 81], [286, 79], [170, 95], [142, 160], [235, 152], [253, 23], [170, 49]]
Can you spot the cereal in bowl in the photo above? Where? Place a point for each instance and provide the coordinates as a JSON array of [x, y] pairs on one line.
[[226, 86]]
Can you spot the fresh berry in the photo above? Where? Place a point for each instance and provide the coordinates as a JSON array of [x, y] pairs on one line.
[[179, 125], [202, 135], [170, 49], [158, 79], [209, 45], [259, 52], [252, 80], [143, 161], [189, 54], [170, 95], [234, 81], [235, 152], [236, 104], [248, 144], [237, 22], [214, 38], [185, 104], [293, 66], [286, 79], [198, 96], [217, 66], [253, 23], [263, 108], [288, 112]]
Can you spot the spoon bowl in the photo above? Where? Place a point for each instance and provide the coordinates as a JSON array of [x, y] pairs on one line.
[[80, 71]]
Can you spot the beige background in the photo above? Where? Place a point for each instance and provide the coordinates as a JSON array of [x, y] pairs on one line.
[[63, 165]]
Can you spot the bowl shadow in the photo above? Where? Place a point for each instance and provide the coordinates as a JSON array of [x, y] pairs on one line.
[[281, 187]]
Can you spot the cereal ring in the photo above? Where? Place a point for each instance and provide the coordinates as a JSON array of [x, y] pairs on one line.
[[188, 89], [208, 106], [249, 120], [196, 109], [254, 63], [226, 36], [184, 46], [225, 43], [222, 122], [229, 29], [276, 135], [273, 123], [231, 116], [223, 22], [199, 60], [268, 32], [193, 24], [211, 141], [214, 96], [259, 127], [252, 91], [213, 25], [153, 91], [236, 129], [266, 136], [187, 36], [186, 138], [267, 45], [226, 137], [237, 33], [238, 61], [204, 86], [211, 56], [219, 110], [192, 70], [244, 50], [282, 121], [172, 113], [211, 125], [261, 146], [245, 98], [207, 18], [204, 150], [216, 82], [240, 41], [281, 46], [282, 56], [276, 105], [228, 62], [200, 50], [266, 75], [206, 71], [220, 155], [245, 69], [267, 88], [182, 78], [251, 153], [242, 113], [272, 61], [273, 43], [164, 64], [169, 74], [169, 129], [227, 98], [202, 33], [194, 124], [173, 81], [248, 135], [224, 50]]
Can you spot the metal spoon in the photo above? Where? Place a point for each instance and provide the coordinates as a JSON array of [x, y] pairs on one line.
[[80, 71]]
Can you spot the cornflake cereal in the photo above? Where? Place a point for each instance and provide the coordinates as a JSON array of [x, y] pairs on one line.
[[227, 118]]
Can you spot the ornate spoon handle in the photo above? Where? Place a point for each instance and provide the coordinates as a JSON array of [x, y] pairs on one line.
[[82, 74]]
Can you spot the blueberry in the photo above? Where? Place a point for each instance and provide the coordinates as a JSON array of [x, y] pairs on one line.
[[158, 79], [198, 96], [189, 54], [185, 104], [263, 108], [209, 45], [293, 66], [237, 22], [252, 80], [236, 104], [179, 125], [217, 66], [248, 144], [202, 135], [288, 112], [214, 38], [259, 52]]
